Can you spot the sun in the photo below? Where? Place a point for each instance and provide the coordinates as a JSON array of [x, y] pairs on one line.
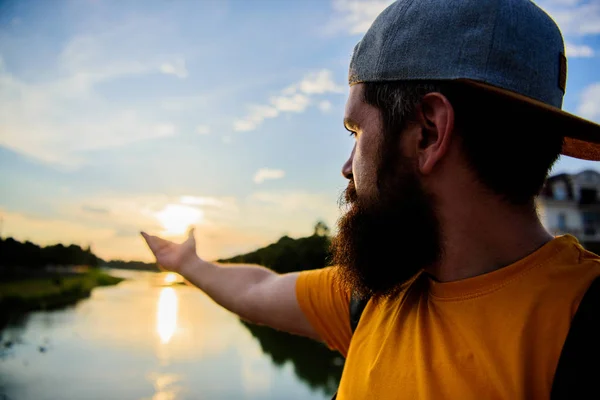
[[176, 218]]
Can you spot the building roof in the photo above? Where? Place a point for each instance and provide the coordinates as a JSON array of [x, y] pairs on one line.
[[585, 177]]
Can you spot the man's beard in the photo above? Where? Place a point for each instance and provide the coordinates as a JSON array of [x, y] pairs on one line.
[[382, 243]]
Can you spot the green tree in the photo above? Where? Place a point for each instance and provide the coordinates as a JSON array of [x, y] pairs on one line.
[[321, 229]]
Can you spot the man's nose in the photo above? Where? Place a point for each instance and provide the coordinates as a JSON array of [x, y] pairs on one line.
[[347, 167]]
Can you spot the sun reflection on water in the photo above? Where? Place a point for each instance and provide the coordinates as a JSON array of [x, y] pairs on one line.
[[170, 278], [166, 386], [166, 314]]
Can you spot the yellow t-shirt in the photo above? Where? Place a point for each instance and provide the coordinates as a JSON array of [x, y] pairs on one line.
[[493, 336]]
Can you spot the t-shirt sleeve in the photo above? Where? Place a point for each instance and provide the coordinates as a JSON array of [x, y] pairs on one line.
[[324, 301]]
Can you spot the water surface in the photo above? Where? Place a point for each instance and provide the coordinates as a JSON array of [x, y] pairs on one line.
[[143, 340]]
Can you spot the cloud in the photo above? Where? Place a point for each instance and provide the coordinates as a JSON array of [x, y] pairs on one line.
[[228, 225], [564, 2], [295, 103], [95, 210], [202, 130], [58, 119], [226, 202], [574, 50], [47, 231], [354, 17], [289, 201], [120, 51], [294, 98], [55, 122], [183, 103], [165, 130], [264, 174], [575, 18], [318, 82], [153, 213], [325, 106], [176, 67], [258, 113], [227, 139], [589, 107], [295, 210]]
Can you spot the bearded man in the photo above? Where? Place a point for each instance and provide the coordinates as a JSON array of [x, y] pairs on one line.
[[455, 109]]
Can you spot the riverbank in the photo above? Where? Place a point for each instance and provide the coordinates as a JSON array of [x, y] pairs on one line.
[[20, 296]]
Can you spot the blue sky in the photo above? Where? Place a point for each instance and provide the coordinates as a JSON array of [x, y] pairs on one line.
[[119, 116]]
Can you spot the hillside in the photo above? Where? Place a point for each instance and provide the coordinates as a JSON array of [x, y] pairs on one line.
[[289, 255]]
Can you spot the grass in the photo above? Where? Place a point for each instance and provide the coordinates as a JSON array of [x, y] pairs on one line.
[[49, 293]]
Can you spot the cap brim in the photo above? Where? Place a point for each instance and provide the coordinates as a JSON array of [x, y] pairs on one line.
[[582, 137]]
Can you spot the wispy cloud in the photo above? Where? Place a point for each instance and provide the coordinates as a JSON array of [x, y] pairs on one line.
[[132, 48], [58, 119], [589, 107], [295, 208], [227, 139], [224, 202], [354, 17], [295, 103], [47, 230], [564, 2], [264, 174], [176, 67], [294, 98], [96, 210], [319, 82], [575, 18], [258, 113], [325, 106], [53, 123], [225, 225], [184, 103], [202, 130], [574, 50]]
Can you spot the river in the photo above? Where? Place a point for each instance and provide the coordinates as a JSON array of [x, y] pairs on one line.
[[145, 340]]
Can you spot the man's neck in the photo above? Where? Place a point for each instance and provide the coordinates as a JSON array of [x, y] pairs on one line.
[[483, 236]]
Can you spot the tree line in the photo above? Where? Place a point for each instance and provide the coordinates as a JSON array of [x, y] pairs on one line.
[[30, 255], [290, 255], [285, 255]]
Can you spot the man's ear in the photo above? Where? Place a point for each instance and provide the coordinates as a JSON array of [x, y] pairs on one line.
[[435, 117]]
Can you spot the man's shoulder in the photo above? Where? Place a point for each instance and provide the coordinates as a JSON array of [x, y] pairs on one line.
[[582, 262], [571, 261]]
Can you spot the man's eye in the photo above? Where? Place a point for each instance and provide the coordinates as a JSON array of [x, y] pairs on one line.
[[352, 134]]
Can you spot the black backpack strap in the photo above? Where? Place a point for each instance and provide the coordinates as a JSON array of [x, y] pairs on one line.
[[578, 372], [357, 305]]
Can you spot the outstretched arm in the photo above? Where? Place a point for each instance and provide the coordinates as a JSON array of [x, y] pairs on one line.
[[254, 293]]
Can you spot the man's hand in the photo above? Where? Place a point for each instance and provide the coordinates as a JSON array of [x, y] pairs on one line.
[[255, 293], [173, 256]]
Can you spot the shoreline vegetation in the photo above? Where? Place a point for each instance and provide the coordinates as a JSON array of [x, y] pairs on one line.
[[46, 278], [33, 277], [49, 291]]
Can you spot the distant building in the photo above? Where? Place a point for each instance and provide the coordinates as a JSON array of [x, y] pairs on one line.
[[570, 204]]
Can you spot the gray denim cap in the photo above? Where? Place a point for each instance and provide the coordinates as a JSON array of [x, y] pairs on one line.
[[511, 47]]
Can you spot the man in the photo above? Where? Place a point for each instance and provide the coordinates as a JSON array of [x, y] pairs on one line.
[[455, 111]]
